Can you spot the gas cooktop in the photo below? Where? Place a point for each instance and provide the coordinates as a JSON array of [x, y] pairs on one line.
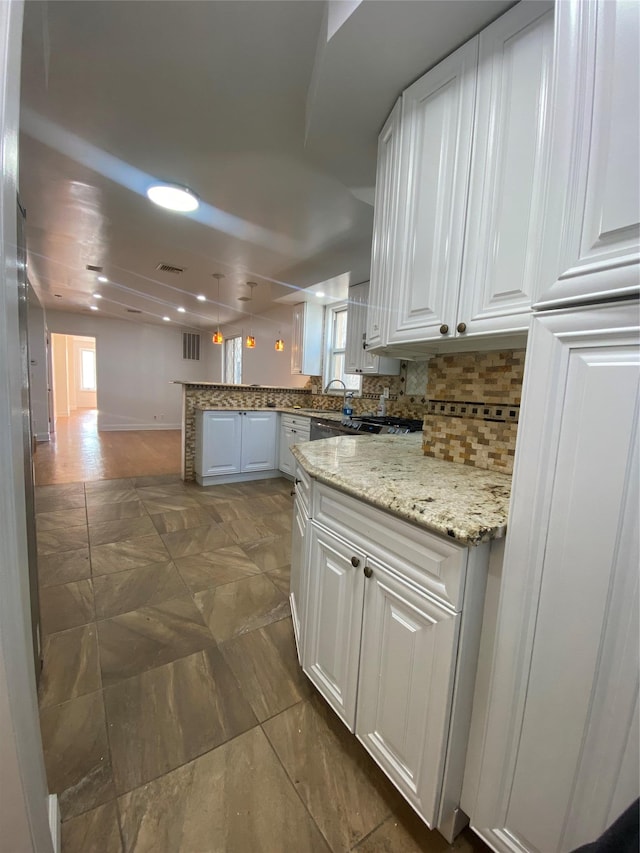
[[384, 424]]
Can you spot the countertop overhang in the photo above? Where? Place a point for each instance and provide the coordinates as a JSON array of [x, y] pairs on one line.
[[467, 504]]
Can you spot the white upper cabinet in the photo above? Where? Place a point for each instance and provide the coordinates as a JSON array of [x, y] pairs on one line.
[[384, 227], [505, 214], [306, 339], [426, 254], [358, 359], [592, 237]]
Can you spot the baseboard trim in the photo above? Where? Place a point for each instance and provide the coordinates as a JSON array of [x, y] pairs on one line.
[[42, 436], [54, 822], [131, 427]]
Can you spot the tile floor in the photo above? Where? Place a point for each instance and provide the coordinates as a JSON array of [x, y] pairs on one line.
[[174, 715]]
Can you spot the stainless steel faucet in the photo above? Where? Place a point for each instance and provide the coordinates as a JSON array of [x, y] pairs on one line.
[[344, 391]]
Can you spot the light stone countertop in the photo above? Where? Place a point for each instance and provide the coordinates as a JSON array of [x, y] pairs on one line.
[[391, 472], [287, 410]]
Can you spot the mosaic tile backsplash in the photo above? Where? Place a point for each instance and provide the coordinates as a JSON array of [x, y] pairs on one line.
[[473, 406]]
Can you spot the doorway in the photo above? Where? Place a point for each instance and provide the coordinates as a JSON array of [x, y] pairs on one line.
[[73, 379]]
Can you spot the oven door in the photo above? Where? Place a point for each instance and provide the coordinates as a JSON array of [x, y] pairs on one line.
[[327, 429]]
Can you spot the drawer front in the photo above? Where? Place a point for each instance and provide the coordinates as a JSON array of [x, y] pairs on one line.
[[427, 560], [297, 422], [303, 489]]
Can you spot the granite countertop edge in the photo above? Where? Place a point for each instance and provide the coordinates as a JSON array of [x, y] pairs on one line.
[[465, 504], [283, 410]]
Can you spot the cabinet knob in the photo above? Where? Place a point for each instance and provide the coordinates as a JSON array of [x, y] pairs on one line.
[[444, 329], [355, 562], [462, 327], [364, 344], [292, 493], [368, 571]]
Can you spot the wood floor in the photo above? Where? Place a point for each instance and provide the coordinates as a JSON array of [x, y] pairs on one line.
[[78, 452]]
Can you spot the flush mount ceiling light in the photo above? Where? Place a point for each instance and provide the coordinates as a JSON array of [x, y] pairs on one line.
[[173, 197], [217, 335], [103, 279], [320, 294], [201, 297], [181, 310], [167, 319], [97, 296], [93, 307]]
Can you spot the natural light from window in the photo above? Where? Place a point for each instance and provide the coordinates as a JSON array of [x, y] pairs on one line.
[[87, 370], [336, 342], [233, 361]]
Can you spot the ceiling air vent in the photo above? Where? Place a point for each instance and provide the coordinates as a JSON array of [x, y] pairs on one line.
[[93, 268], [191, 346], [170, 268], [134, 311]]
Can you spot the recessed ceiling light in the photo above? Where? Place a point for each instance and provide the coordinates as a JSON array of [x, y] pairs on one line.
[[167, 319], [97, 296], [173, 197], [201, 298], [93, 307], [181, 310], [320, 294], [103, 279]]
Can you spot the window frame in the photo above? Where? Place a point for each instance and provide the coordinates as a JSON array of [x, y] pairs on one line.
[[227, 341], [331, 350]]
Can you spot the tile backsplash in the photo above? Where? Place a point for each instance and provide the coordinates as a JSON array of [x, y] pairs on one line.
[[473, 406]]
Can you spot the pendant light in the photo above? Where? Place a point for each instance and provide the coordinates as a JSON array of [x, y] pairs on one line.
[[250, 341], [217, 335], [279, 343]]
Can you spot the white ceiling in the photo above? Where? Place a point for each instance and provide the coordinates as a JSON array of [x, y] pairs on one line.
[[249, 105]]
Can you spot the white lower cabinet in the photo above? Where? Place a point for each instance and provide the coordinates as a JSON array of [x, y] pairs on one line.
[[390, 635], [234, 445], [299, 542], [293, 430]]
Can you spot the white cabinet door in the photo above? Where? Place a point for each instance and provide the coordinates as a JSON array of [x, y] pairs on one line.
[[358, 358], [385, 216], [560, 751], [297, 325], [506, 215], [286, 461], [220, 449], [299, 572], [306, 339], [437, 126], [593, 233], [407, 666], [259, 435], [334, 621]]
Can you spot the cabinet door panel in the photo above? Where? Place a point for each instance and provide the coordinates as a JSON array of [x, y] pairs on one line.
[[259, 441], [299, 570], [563, 708], [221, 443], [436, 149], [334, 617], [286, 461], [406, 676], [592, 241], [505, 219]]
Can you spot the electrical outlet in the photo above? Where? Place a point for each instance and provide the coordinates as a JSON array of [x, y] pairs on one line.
[[314, 389], [385, 393]]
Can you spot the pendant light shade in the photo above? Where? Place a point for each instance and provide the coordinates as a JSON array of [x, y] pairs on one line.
[[250, 341], [279, 344], [218, 337]]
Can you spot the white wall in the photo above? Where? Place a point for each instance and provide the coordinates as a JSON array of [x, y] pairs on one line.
[[24, 826], [60, 376], [136, 364], [38, 368], [263, 365]]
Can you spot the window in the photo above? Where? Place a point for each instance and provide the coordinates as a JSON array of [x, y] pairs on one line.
[[335, 344], [87, 370], [233, 361]]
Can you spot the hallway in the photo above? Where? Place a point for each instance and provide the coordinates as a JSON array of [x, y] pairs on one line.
[[78, 452]]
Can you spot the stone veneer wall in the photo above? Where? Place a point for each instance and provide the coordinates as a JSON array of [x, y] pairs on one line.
[[473, 406]]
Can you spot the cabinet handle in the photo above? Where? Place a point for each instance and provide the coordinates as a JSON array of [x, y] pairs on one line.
[[444, 329], [368, 571], [355, 562], [297, 482], [462, 327], [292, 493], [364, 344]]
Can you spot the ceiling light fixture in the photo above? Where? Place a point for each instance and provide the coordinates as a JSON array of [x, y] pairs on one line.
[[173, 197], [250, 341], [167, 319], [93, 307], [181, 310], [201, 297], [320, 294], [217, 335], [279, 344], [97, 296], [103, 279]]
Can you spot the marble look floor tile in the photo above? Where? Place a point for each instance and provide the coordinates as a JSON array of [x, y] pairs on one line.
[[101, 512], [279, 523], [66, 606], [70, 665], [246, 530], [111, 496], [170, 715], [128, 554], [162, 490], [224, 493], [123, 591], [184, 543], [265, 663], [115, 531], [58, 490], [214, 568], [157, 480], [242, 606], [61, 518], [281, 577], [234, 510], [55, 504], [63, 567], [68, 539], [236, 798], [345, 792], [273, 503], [270, 553], [95, 487], [148, 637], [182, 519], [95, 831], [168, 503], [404, 832], [76, 754]]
